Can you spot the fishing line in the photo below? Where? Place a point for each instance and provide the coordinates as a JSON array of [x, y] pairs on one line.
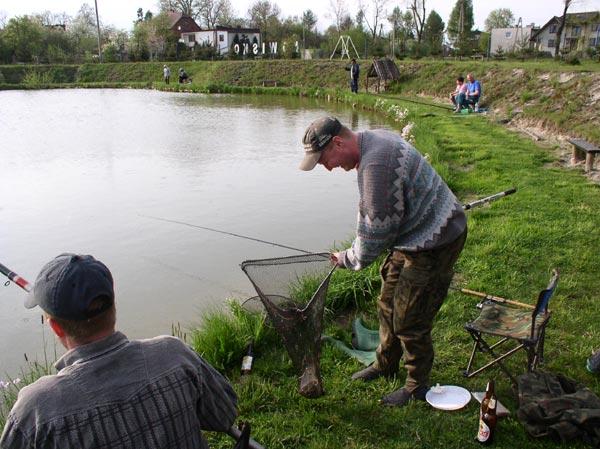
[[233, 234]]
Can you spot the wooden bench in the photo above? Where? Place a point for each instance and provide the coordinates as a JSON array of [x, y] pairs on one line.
[[269, 83], [581, 147]]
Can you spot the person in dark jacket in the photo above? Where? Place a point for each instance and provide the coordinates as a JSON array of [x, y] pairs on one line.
[[354, 69], [111, 391]]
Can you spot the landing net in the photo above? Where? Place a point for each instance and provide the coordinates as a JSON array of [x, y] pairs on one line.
[[293, 290]]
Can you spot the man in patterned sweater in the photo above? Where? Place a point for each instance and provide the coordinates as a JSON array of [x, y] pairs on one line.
[[111, 392], [407, 210]]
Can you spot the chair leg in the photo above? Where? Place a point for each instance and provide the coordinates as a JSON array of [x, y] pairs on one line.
[[483, 346], [538, 355]]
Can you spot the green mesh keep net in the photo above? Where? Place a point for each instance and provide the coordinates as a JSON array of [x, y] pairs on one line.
[[292, 290]]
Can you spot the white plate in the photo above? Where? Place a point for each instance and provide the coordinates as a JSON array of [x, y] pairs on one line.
[[451, 397]]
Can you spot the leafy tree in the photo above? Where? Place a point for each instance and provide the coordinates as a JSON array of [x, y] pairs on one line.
[[24, 37], [499, 18], [214, 12], [83, 31], [402, 27], [309, 19], [484, 42], [460, 25], [139, 49], [265, 16], [434, 33]]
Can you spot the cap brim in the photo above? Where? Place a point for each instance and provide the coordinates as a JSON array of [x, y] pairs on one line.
[[30, 301], [310, 160]]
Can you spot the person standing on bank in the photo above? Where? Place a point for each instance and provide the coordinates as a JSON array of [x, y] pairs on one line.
[[354, 69], [166, 73], [112, 392], [406, 209]]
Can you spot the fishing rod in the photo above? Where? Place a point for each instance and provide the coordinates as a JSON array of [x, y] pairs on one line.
[[396, 97], [467, 206], [12, 276], [489, 199], [233, 432], [487, 297]]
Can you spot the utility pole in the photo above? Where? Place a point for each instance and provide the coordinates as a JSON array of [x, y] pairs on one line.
[[98, 28]]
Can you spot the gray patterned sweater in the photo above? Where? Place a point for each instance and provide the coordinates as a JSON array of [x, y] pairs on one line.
[[404, 203]]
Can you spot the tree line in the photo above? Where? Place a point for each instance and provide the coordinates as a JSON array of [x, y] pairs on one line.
[[410, 30]]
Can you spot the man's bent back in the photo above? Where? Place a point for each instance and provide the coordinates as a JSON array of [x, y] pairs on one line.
[[117, 393]]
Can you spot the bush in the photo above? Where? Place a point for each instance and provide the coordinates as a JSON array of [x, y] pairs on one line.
[[34, 78], [572, 58]]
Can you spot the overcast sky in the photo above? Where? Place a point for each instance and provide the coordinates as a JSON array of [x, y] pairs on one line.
[[121, 13]]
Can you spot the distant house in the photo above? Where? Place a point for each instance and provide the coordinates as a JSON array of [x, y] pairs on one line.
[[511, 39], [221, 37], [224, 38], [184, 27], [582, 30]]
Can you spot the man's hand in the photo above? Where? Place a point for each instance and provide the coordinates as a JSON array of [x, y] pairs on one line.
[[337, 260]]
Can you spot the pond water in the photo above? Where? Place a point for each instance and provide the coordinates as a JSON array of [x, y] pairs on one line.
[[82, 169]]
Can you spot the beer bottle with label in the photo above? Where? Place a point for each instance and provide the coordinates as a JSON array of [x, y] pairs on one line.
[[487, 416], [248, 360], [489, 392]]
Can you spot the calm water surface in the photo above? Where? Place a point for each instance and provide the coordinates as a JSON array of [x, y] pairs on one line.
[[81, 168]]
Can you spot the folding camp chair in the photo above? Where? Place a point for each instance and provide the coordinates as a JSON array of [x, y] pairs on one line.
[[510, 321]]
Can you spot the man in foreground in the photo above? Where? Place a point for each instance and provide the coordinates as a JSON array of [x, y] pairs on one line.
[[109, 391], [407, 210]]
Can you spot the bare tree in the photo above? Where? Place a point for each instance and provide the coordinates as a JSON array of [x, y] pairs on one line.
[[374, 13], [214, 12], [417, 7], [185, 7], [339, 11], [561, 26]]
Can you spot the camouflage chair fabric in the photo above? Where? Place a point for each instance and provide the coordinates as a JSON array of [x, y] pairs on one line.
[[497, 319]]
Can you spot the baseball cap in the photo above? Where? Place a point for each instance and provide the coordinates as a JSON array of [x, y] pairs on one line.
[[316, 137], [67, 285]]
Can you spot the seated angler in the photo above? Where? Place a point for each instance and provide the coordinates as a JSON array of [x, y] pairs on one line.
[[112, 392], [473, 91], [459, 96]]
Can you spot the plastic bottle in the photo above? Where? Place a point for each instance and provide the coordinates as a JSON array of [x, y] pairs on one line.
[[248, 360], [487, 416]]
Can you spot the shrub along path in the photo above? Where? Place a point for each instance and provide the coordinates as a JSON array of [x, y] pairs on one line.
[[513, 244]]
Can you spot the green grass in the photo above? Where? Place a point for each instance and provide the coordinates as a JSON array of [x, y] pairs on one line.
[[552, 221], [512, 246]]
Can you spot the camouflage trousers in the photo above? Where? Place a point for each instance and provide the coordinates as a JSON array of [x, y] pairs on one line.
[[415, 285]]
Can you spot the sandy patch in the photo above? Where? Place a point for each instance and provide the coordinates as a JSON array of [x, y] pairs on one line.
[[556, 143], [566, 77]]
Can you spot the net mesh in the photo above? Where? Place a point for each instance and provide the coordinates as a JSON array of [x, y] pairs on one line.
[[292, 290]]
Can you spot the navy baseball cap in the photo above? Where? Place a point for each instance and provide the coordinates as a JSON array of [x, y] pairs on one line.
[[67, 285], [317, 136]]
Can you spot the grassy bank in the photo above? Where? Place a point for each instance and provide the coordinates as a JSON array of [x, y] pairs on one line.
[[511, 249], [555, 96], [513, 244]]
